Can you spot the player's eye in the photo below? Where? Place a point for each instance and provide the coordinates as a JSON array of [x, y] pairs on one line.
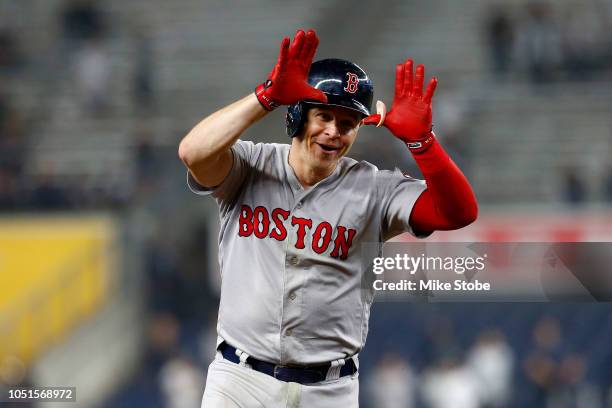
[[325, 116], [348, 124]]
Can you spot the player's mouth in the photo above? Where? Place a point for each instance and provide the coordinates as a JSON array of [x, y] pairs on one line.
[[328, 148]]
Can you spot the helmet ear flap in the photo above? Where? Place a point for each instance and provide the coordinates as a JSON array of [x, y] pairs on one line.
[[295, 118]]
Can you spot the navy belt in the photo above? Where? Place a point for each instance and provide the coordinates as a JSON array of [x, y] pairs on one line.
[[302, 375]]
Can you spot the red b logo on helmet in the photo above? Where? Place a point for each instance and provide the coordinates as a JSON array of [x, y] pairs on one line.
[[351, 82]]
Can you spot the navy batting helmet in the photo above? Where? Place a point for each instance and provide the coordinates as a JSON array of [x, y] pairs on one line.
[[345, 84]]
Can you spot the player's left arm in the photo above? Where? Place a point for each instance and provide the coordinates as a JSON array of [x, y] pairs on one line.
[[448, 202]]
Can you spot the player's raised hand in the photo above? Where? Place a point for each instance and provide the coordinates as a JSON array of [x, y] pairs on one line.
[[410, 116], [287, 83]]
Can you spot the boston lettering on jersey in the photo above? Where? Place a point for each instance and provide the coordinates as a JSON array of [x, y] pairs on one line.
[[259, 222]]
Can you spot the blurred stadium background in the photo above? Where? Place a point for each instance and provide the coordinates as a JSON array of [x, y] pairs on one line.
[[108, 268]]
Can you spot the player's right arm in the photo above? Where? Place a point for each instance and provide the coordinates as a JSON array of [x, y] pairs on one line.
[[206, 150]]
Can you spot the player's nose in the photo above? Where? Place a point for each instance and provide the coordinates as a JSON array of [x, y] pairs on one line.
[[332, 129]]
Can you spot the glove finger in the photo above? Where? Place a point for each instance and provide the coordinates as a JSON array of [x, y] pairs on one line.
[[296, 46], [313, 49], [284, 50], [307, 48], [274, 72], [418, 82], [408, 77], [431, 88], [399, 80], [372, 119], [314, 94]]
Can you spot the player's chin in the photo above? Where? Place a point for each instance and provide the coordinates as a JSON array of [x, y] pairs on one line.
[[327, 158]]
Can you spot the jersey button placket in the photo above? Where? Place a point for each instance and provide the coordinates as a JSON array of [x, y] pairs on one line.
[[291, 307]]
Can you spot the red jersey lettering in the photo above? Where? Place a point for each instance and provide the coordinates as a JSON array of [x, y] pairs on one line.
[[261, 222], [278, 216], [302, 223], [246, 221], [322, 233], [343, 242]]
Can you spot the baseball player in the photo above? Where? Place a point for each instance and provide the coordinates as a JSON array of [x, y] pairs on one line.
[[293, 313]]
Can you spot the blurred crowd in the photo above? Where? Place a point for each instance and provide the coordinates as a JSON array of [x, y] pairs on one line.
[[546, 43], [551, 41], [181, 305], [536, 41], [495, 371], [79, 58]]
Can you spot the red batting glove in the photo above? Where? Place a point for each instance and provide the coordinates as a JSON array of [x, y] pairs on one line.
[[287, 83], [410, 116]]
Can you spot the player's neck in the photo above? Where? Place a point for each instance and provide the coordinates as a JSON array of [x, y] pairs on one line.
[[307, 174]]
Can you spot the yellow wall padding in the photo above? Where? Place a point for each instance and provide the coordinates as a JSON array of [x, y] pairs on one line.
[[54, 272]]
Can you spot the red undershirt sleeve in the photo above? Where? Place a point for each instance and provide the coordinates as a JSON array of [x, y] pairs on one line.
[[448, 203]]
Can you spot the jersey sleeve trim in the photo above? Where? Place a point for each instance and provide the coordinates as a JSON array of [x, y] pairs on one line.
[[199, 189], [196, 187]]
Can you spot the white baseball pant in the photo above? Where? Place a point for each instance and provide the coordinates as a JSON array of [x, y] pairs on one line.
[[229, 385]]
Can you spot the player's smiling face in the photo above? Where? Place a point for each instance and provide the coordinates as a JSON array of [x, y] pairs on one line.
[[328, 134]]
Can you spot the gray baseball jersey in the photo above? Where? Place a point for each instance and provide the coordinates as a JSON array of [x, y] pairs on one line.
[[290, 257]]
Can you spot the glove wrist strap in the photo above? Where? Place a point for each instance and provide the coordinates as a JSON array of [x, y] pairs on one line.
[[261, 92], [432, 159], [421, 145]]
